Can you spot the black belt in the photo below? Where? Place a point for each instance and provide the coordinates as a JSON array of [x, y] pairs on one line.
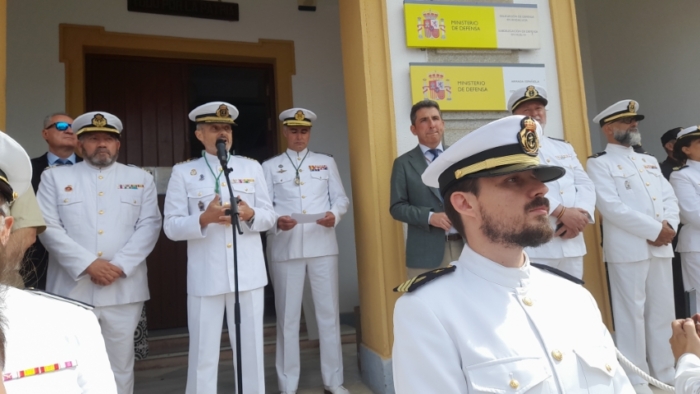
[[453, 237]]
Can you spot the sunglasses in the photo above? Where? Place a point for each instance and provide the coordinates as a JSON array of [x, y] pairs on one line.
[[60, 126]]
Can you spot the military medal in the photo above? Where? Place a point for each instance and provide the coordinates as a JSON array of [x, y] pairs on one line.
[[297, 179]]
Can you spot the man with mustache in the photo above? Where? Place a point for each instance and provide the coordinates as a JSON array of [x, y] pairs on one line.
[[493, 322], [102, 221], [571, 197], [640, 215], [196, 211]]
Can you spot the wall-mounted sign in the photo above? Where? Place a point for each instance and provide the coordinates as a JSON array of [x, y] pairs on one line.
[[472, 87], [195, 8], [435, 24]]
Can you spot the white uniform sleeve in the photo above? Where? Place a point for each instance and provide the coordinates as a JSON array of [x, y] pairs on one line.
[[585, 190], [265, 216], [146, 232], [267, 172], [70, 254], [179, 224], [336, 193], [687, 198], [671, 211], [424, 358], [688, 374], [614, 209], [94, 371]]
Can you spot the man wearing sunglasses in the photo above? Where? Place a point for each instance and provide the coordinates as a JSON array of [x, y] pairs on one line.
[[58, 133], [640, 215]]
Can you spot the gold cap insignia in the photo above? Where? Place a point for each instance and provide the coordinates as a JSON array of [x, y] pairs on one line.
[[531, 92], [222, 112], [528, 136], [99, 121], [299, 115], [632, 106]]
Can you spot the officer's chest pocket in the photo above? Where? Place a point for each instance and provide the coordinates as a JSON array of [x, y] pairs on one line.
[[70, 208], [129, 207], [625, 181], [198, 199], [284, 186], [246, 191], [513, 375], [319, 180], [598, 365]]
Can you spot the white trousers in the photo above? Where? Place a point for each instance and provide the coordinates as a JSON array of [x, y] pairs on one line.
[[205, 316], [690, 265], [288, 281], [643, 309], [571, 265], [118, 324]]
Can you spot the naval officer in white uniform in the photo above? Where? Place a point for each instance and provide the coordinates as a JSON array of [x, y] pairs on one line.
[[492, 322], [53, 345], [305, 182], [571, 197], [195, 211], [685, 180], [640, 215], [102, 221]]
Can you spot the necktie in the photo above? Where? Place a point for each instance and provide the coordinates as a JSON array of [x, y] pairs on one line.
[[64, 162], [435, 153]]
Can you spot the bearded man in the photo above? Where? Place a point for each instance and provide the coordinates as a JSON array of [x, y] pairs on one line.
[[494, 321], [640, 216]]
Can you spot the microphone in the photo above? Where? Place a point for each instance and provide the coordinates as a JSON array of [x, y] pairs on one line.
[[221, 151]]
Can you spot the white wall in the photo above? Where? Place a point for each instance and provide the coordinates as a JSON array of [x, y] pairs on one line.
[[645, 50], [35, 78]]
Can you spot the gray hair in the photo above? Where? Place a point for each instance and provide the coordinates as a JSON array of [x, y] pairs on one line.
[[47, 119]]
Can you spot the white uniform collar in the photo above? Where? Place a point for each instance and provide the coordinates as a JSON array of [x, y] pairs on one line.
[[494, 272], [103, 169], [619, 149], [693, 164], [213, 160], [293, 153]]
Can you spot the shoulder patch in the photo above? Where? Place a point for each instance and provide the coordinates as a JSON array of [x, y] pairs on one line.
[[559, 139], [414, 283], [60, 298], [597, 155], [558, 273], [679, 168]]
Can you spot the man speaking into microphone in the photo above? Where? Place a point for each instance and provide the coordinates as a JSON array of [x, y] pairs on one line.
[[197, 210]]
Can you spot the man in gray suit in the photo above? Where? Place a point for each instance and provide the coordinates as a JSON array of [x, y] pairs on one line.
[[432, 240]]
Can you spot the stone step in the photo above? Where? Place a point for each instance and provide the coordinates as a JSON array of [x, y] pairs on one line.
[[172, 350]]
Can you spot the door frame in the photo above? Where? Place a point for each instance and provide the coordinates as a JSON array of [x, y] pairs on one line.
[[77, 40]]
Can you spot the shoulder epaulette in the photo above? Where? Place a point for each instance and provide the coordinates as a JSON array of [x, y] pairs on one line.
[[679, 168], [558, 139], [60, 298], [414, 283], [273, 157], [558, 273], [246, 157], [322, 153], [140, 168], [186, 161], [597, 155]]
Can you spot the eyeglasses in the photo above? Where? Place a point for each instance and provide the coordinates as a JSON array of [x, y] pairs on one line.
[[60, 126]]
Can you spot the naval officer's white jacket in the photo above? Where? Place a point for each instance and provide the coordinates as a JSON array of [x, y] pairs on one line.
[[486, 328], [634, 198], [42, 332], [686, 184], [110, 213], [320, 191], [574, 189], [210, 249], [688, 374]]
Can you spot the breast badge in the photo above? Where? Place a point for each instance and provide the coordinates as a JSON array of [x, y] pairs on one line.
[[68, 188], [281, 169], [200, 205], [627, 185], [193, 172]]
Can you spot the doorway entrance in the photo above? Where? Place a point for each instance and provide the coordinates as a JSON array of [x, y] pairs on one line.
[[152, 97]]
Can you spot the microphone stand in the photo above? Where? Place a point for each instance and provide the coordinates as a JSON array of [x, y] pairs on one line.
[[235, 227]]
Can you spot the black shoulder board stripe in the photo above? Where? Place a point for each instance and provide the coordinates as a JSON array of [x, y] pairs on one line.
[[60, 298], [679, 168], [558, 139], [323, 153], [558, 272], [414, 283], [597, 155]]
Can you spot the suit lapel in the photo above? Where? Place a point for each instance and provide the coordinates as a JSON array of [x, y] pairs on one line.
[[419, 163]]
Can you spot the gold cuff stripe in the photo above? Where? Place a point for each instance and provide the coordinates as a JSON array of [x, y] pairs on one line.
[[520, 158], [105, 129], [296, 123]]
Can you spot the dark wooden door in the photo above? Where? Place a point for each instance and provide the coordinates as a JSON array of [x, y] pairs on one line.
[[153, 97]]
